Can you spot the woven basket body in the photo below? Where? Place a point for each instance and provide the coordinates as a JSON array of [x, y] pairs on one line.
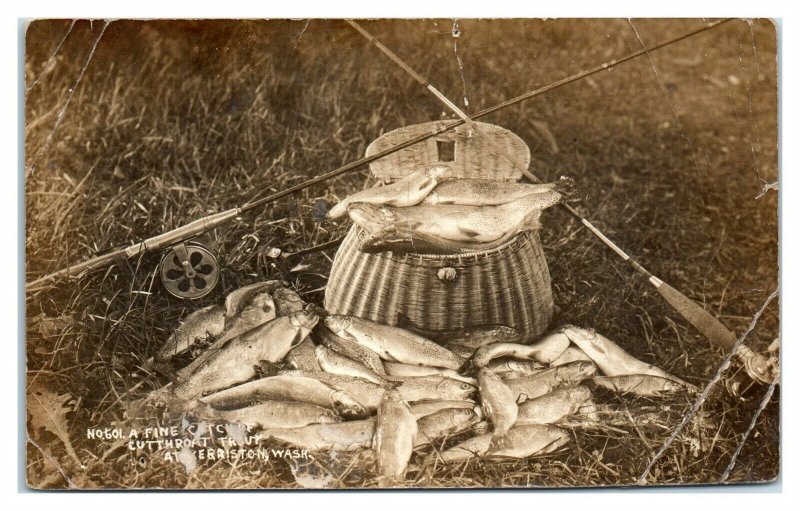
[[507, 285]]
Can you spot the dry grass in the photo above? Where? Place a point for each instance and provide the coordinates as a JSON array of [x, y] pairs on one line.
[[175, 120]]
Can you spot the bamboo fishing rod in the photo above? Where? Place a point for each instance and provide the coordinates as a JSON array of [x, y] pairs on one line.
[[757, 366]]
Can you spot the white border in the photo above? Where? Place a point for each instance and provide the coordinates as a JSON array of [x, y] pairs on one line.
[[731, 498]]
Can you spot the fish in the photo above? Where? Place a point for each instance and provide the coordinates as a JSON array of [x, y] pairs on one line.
[[520, 442], [279, 414], [338, 436], [407, 191], [392, 343], [554, 406], [239, 298], [610, 358], [639, 384], [208, 322], [544, 351], [365, 392], [525, 441], [332, 362], [434, 387], [283, 387], [401, 239], [398, 369], [490, 192], [287, 301], [498, 402], [546, 381], [476, 224], [395, 431], [475, 446], [510, 368], [302, 357], [351, 349], [475, 337], [447, 422], [459, 224], [259, 311], [571, 354], [236, 363], [423, 408]]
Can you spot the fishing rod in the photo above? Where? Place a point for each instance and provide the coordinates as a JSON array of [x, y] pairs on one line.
[[189, 270], [758, 367]]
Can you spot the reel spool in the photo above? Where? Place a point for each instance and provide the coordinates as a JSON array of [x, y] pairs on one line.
[[189, 271]]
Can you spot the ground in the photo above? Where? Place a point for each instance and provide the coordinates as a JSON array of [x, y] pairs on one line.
[[168, 121]]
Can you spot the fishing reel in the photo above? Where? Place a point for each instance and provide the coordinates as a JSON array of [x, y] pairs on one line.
[[189, 270]]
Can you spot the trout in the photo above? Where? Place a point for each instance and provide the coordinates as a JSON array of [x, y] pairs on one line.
[[405, 192], [547, 380], [526, 441], [392, 343], [259, 311], [498, 402], [475, 224], [610, 358], [365, 392], [509, 368], [208, 322], [475, 337], [351, 349], [543, 351], [238, 299], [554, 406], [639, 384], [423, 408], [236, 363], [395, 431], [447, 422], [463, 224], [279, 414], [489, 192], [434, 387], [401, 239], [338, 436], [332, 362], [397, 369], [287, 388]]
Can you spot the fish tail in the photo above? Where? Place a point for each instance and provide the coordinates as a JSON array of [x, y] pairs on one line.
[[568, 189]]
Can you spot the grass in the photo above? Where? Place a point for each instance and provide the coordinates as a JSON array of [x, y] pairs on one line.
[[174, 120]]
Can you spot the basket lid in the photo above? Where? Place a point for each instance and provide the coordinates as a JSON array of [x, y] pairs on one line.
[[487, 152]]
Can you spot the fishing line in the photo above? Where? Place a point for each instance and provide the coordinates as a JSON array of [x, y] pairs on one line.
[[665, 93], [61, 113], [706, 391], [52, 56], [763, 405]]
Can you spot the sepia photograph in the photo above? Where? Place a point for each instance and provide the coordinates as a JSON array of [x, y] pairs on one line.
[[419, 253]]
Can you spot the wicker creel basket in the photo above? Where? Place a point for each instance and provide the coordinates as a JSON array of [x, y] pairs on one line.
[[506, 285]]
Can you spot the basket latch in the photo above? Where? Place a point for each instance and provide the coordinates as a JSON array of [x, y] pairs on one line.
[[447, 274]]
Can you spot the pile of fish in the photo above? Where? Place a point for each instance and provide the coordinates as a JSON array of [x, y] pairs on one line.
[[427, 212], [350, 384]]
